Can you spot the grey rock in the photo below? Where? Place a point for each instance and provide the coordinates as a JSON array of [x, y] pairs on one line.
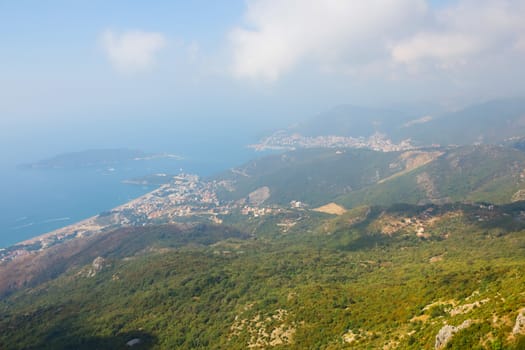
[[96, 266], [447, 332], [133, 342], [519, 326]]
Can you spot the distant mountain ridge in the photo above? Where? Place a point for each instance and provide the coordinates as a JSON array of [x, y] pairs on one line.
[[354, 121], [492, 122]]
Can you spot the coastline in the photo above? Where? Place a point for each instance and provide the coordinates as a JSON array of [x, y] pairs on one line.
[[184, 197], [82, 227]]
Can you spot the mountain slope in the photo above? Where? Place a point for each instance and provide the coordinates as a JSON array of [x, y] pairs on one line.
[[490, 123], [353, 121], [355, 177], [43, 265], [302, 291], [472, 173], [318, 176], [312, 176]]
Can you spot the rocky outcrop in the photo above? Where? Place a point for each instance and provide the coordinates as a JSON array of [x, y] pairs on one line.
[[519, 326], [133, 342], [463, 309], [264, 332], [518, 196], [426, 183], [96, 266], [447, 332], [259, 196]]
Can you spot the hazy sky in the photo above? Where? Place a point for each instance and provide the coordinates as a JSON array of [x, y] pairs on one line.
[[70, 65]]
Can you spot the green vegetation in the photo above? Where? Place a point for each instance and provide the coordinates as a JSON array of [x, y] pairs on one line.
[[433, 242], [473, 173], [491, 122], [314, 176], [363, 177], [362, 280]]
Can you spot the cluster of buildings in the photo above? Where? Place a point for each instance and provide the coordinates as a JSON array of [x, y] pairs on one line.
[[377, 142], [256, 211], [185, 196]]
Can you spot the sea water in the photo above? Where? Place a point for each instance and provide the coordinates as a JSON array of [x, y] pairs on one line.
[[37, 201]]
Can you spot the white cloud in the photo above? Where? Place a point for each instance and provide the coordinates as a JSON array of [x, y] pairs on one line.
[[132, 51], [443, 47], [280, 34], [465, 31], [378, 36]]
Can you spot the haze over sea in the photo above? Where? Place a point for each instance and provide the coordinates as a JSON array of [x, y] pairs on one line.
[[36, 201]]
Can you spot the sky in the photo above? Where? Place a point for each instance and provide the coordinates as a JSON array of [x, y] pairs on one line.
[[98, 73]]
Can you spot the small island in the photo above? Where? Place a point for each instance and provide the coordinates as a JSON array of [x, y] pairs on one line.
[[150, 180], [96, 157]]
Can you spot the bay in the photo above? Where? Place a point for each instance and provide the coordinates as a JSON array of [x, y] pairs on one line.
[[37, 201]]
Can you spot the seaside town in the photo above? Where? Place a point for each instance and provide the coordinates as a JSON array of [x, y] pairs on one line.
[[185, 198], [281, 140]]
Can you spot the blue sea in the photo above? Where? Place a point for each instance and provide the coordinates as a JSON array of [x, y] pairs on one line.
[[36, 201]]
